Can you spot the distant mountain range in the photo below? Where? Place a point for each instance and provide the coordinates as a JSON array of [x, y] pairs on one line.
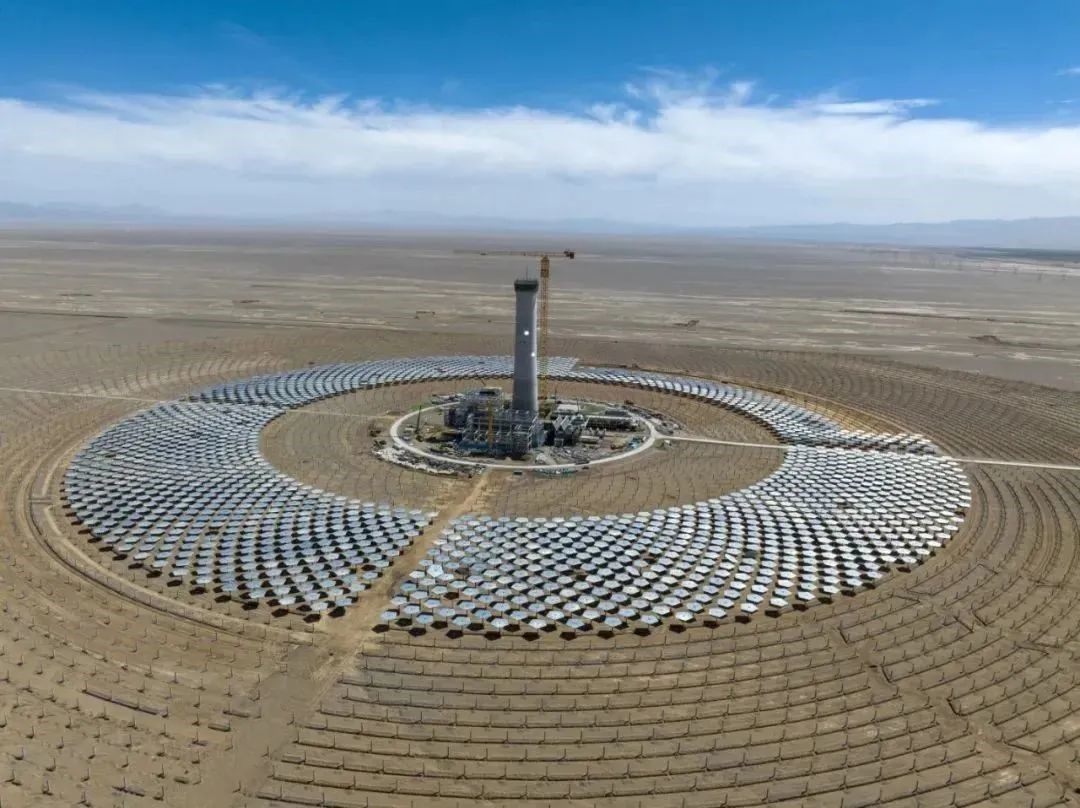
[[61, 213], [1062, 233]]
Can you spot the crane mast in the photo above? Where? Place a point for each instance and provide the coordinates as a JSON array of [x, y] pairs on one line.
[[542, 346], [543, 360]]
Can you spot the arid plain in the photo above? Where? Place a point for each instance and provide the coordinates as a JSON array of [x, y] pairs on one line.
[[956, 682], [1011, 315]]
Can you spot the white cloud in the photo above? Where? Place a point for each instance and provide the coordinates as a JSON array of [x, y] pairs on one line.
[[671, 152], [1070, 71], [883, 106]]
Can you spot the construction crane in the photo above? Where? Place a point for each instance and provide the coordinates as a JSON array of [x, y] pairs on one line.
[[545, 295]]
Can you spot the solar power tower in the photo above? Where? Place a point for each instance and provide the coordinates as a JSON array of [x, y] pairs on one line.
[[525, 363]]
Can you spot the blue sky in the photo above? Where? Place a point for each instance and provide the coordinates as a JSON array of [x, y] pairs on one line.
[[170, 92]]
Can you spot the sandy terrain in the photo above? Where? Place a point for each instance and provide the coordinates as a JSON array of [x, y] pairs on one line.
[[329, 445], [955, 683], [1015, 319]]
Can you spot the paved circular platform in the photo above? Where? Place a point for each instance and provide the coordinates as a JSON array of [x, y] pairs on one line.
[[484, 462]]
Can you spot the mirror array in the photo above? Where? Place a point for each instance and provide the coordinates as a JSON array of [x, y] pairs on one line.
[[296, 388], [787, 420], [182, 489], [827, 521]]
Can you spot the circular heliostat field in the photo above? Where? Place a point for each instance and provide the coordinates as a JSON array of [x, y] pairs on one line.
[[185, 490]]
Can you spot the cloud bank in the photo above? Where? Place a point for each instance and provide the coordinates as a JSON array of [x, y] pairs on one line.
[[666, 152]]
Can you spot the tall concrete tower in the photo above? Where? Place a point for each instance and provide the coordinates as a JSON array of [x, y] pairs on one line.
[[525, 366]]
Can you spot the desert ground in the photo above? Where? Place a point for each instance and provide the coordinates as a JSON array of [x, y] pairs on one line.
[[1009, 315], [952, 683]]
